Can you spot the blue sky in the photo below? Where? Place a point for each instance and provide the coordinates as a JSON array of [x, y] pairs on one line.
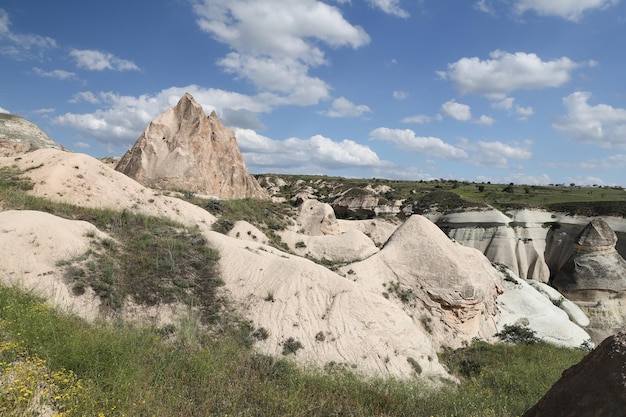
[[523, 91]]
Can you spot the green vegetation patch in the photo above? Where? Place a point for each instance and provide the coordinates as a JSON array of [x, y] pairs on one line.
[[149, 259], [133, 371]]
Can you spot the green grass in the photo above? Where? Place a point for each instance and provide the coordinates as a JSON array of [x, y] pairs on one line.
[[121, 370], [152, 260], [451, 195]]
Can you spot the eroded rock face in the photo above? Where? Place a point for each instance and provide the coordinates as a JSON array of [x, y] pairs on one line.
[[594, 264], [19, 136], [594, 277], [182, 149], [594, 387], [449, 289], [316, 219]]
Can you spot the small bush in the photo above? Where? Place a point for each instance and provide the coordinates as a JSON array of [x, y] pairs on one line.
[[518, 335], [415, 365], [291, 346]]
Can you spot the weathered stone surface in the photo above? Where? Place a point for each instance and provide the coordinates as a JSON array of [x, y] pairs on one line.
[[521, 304], [18, 136], [315, 219], [594, 264], [449, 289], [594, 387], [184, 150]]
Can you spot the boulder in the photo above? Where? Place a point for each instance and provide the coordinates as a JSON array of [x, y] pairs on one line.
[[316, 219], [596, 386], [19, 136], [183, 149]]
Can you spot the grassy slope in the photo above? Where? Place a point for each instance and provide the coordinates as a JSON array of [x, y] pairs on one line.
[[115, 369]]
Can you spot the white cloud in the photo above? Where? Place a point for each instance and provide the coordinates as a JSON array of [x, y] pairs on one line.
[[571, 10], [276, 42], [99, 61], [517, 178], [82, 145], [506, 72], [121, 119], [342, 107], [2, 110], [391, 7], [57, 74], [86, 96], [421, 119], [484, 120], [497, 154], [483, 6], [317, 152], [407, 139], [457, 111], [400, 95], [601, 124], [523, 113], [21, 46], [286, 78]]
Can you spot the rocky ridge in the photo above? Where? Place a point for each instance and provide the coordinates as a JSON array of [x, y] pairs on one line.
[[18, 136]]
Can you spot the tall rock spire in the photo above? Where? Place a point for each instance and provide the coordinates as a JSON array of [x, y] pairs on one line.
[[183, 149]]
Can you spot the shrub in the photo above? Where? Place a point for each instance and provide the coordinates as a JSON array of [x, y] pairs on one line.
[[518, 334], [291, 346]]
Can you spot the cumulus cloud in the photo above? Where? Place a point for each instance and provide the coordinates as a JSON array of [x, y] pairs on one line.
[[505, 72], [406, 139], [342, 107], [400, 95], [601, 124], [317, 152], [275, 50], [496, 154], [21, 45], [3, 110], [421, 119], [99, 61], [121, 119], [57, 74], [484, 120], [391, 7], [523, 113], [571, 10], [456, 111]]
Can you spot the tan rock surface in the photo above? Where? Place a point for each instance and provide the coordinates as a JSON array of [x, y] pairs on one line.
[[447, 288], [182, 149], [18, 136]]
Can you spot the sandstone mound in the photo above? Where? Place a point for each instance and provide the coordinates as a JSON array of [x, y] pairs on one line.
[[336, 320], [31, 243], [450, 290], [18, 136], [82, 180], [594, 264], [316, 219], [183, 149], [594, 387]]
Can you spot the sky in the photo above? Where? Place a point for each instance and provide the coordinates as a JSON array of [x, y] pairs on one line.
[[522, 91]]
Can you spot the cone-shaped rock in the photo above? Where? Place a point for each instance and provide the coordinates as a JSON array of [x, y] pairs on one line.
[[183, 149], [18, 136], [594, 264], [594, 387]]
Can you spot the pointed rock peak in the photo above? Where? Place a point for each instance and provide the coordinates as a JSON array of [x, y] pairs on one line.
[[187, 108], [597, 234], [182, 149]]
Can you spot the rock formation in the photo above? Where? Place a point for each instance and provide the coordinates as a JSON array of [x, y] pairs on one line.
[[315, 219], [594, 277], [18, 136], [594, 387], [182, 149], [449, 289]]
